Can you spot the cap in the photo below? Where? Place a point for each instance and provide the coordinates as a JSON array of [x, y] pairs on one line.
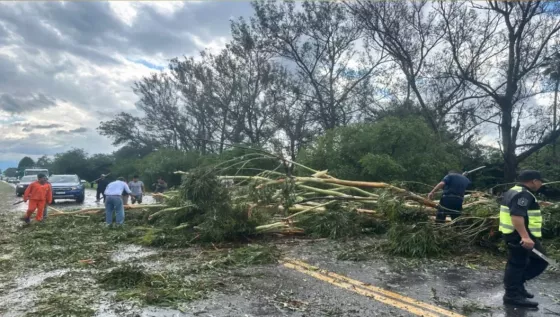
[[529, 175]]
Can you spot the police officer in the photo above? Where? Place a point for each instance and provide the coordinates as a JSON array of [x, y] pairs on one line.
[[454, 186], [521, 223]]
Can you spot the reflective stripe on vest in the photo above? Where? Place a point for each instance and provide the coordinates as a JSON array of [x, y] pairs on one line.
[[535, 218]]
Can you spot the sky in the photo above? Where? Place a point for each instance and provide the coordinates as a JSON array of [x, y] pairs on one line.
[[67, 66]]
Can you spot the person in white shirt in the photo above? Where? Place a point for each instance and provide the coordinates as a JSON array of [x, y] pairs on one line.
[[113, 201], [137, 188]]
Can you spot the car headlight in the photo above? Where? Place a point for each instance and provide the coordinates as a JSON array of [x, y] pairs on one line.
[[74, 188]]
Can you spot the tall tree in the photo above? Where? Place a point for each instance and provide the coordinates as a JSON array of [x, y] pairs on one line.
[[44, 162], [412, 35], [552, 73], [321, 43], [498, 48], [24, 163], [11, 172]]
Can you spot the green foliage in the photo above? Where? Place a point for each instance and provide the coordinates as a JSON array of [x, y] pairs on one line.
[[74, 161], [423, 239], [24, 163], [164, 163], [213, 213], [388, 150], [252, 254], [337, 223], [132, 282], [551, 222]]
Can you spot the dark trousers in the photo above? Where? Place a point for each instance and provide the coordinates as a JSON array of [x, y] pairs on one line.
[[449, 205], [100, 192], [522, 265]]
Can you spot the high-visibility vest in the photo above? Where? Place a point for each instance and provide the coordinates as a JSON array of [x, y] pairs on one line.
[[534, 215]]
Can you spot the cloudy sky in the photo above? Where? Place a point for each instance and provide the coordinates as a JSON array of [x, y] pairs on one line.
[[66, 66]]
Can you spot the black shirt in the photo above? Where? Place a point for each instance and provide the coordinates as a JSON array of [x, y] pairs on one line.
[[519, 204], [455, 185], [102, 184]]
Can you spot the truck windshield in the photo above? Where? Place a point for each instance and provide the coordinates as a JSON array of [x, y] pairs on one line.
[[63, 179], [29, 178], [35, 172]]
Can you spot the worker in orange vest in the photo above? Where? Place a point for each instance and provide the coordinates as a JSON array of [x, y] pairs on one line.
[[39, 194]]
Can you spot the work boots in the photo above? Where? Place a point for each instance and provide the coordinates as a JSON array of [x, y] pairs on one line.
[[519, 300], [525, 293]]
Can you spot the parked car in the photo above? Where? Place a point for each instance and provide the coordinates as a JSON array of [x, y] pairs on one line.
[[67, 187], [23, 183], [12, 180]]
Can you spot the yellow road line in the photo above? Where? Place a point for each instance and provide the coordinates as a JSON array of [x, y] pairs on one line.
[[375, 289], [380, 298]]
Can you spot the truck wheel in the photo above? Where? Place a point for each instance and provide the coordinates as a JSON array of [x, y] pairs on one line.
[[80, 199]]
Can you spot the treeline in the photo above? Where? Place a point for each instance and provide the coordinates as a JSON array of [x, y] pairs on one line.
[[401, 150], [296, 70]]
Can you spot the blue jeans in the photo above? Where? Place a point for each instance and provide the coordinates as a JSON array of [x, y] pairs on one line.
[[114, 203]]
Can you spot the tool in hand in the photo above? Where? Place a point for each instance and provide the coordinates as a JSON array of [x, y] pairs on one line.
[[100, 177], [474, 170], [17, 203], [552, 263]]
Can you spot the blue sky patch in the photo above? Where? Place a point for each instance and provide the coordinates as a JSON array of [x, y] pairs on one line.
[[146, 63]]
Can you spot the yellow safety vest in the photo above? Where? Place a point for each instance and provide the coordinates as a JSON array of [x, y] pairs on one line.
[[535, 218]]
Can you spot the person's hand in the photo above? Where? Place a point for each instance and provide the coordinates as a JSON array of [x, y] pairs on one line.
[[431, 195], [527, 243]]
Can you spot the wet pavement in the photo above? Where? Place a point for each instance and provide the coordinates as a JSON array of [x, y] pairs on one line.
[[281, 290]]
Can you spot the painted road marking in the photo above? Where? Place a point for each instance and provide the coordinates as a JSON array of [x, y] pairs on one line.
[[411, 305]]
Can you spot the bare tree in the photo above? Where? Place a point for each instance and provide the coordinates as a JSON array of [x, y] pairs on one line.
[[413, 36], [498, 49], [319, 43]]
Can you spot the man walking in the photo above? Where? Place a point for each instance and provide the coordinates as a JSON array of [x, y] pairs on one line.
[[451, 203], [38, 194], [521, 224], [102, 183], [160, 187], [114, 202], [137, 188]]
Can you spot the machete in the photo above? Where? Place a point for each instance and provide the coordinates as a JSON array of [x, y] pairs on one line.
[[552, 263], [474, 170], [17, 203]]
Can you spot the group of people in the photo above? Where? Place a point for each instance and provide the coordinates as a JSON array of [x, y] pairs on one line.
[[520, 225], [40, 195], [116, 194], [520, 219]]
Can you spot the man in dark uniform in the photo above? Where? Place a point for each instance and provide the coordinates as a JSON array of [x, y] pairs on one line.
[[521, 224], [102, 183], [454, 186]]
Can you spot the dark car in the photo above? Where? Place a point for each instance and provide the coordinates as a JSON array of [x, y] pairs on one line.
[[23, 183], [67, 187]]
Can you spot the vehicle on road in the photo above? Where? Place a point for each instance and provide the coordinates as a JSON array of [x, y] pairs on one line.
[[12, 180], [67, 187], [23, 183], [35, 171]]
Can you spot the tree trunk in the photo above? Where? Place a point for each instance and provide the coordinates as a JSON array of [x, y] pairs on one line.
[[554, 119], [508, 143]]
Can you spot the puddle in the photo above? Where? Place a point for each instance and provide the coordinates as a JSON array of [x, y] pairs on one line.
[[128, 252], [37, 279]]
